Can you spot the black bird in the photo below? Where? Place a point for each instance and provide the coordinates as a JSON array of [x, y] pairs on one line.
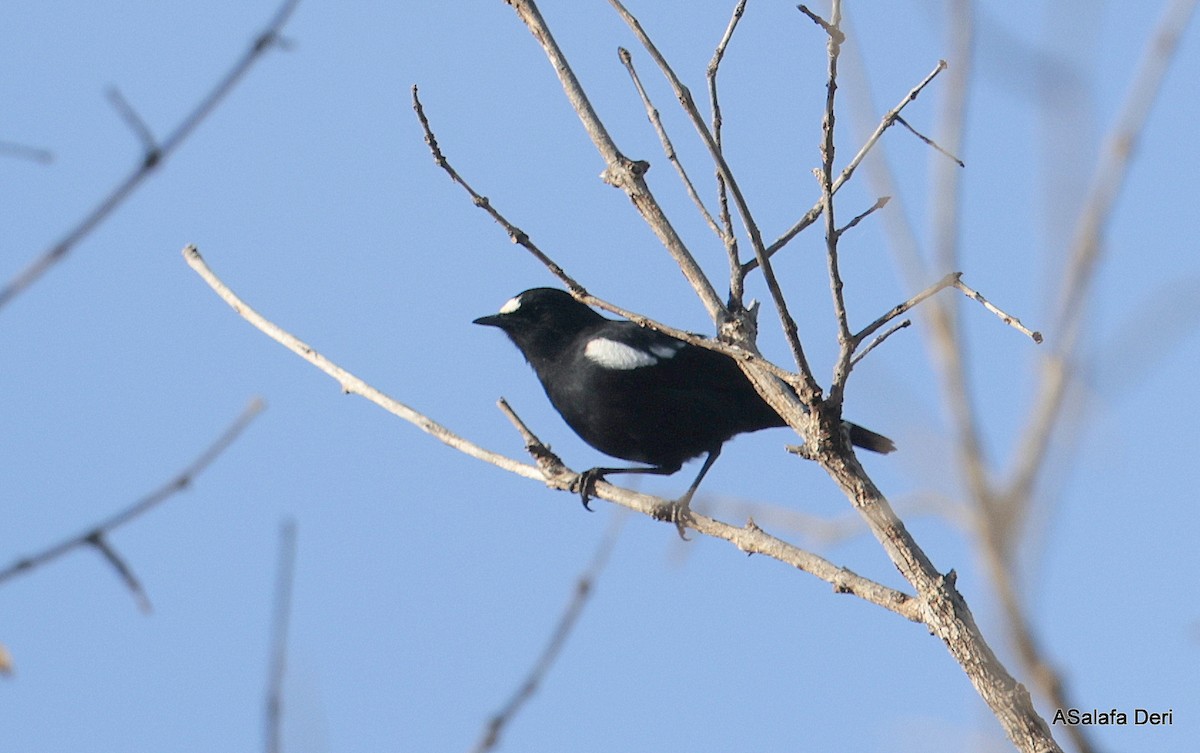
[[637, 394]]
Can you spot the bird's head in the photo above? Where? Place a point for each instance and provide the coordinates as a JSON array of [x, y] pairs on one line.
[[541, 322]]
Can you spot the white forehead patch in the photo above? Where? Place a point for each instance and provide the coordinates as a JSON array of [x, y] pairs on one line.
[[511, 305], [614, 355]]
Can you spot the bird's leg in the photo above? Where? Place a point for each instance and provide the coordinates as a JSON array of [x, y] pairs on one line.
[[680, 511], [588, 479]]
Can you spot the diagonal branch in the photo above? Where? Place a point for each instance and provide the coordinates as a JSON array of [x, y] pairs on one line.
[[584, 586], [153, 157], [96, 535], [749, 539], [521, 238], [668, 147], [621, 171], [807, 387]]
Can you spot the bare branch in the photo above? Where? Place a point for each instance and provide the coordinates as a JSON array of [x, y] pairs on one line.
[[349, 383], [807, 386], [23, 151], [98, 541], [668, 147], [879, 204], [1087, 247], [516, 234], [95, 536], [521, 238], [151, 159], [900, 309], [584, 587], [284, 581], [835, 34], [139, 127], [928, 141], [736, 275], [841, 371], [621, 171], [750, 539], [1008, 319], [875, 343]]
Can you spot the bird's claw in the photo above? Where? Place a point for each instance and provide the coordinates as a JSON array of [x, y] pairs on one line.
[[678, 512], [587, 485]]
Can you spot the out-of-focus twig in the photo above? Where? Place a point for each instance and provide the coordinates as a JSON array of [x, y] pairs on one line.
[[155, 153], [584, 587], [284, 584], [97, 535]]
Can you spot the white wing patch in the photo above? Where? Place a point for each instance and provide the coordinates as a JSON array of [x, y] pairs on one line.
[[666, 350], [614, 355], [511, 305]]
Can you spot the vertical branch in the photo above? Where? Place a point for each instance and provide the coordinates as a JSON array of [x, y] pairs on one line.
[[807, 386], [737, 275], [283, 607], [846, 341]]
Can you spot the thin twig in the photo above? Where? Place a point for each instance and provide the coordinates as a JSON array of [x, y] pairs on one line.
[[349, 383], [875, 343], [736, 276], [668, 147], [750, 539], [151, 159], [899, 309], [841, 371], [521, 238], [22, 151], [584, 587], [284, 582], [1008, 319], [136, 124], [96, 535], [879, 204], [929, 142], [516, 234]]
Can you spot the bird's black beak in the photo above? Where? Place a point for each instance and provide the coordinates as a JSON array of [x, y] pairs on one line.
[[495, 320]]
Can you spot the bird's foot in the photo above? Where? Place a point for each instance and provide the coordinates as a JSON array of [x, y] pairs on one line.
[[678, 512], [587, 485]]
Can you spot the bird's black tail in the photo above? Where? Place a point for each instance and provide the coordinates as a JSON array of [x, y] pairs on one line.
[[869, 440]]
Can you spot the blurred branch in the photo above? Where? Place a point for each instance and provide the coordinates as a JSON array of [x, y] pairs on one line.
[[555, 475], [96, 536], [284, 583], [1087, 247], [584, 587], [153, 156], [22, 151]]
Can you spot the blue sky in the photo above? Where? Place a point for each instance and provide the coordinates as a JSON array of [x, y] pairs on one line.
[[426, 583]]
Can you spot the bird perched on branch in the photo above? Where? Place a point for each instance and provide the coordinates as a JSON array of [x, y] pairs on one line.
[[637, 394]]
